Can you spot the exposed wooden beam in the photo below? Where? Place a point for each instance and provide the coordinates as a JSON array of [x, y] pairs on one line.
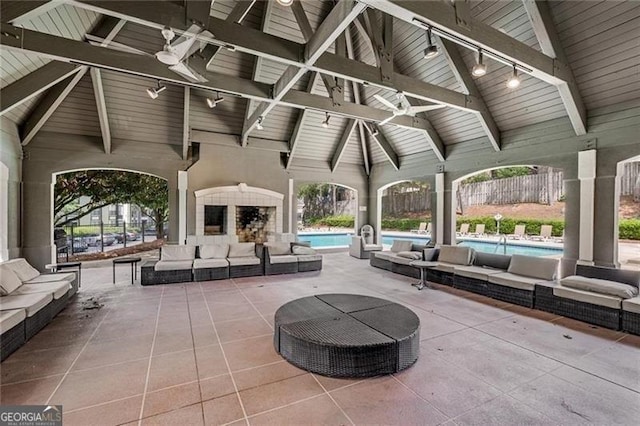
[[185, 122], [48, 105], [101, 57], [101, 105], [461, 72], [547, 35], [258, 43], [334, 24], [21, 10], [385, 146], [442, 15], [355, 90], [297, 130], [198, 12], [34, 83], [342, 144]]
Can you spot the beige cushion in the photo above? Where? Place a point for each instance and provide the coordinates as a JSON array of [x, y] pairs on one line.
[[309, 257], [210, 263], [214, 251], [401, 245], [372, 247], [283, 258], [9, 319], [476, 272], [596, 285], [23, 270], [535, 267], [631, 305], [386, 255], [276, 249], [239, 261], [52, 278], [302, 250], [508, 279], [456, 255], [178, 253], [58, 289], [9, 281], [587, 297], [413, 255], [401, 260], [445, 267], [31, 303], [242, 250], [173, 265]]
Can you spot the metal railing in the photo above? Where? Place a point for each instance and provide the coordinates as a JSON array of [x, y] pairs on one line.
[[503, 241]]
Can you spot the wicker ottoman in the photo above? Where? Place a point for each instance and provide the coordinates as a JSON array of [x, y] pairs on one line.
[[346, 335]]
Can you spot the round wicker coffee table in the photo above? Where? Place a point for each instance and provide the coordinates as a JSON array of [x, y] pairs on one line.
[[347, 335]]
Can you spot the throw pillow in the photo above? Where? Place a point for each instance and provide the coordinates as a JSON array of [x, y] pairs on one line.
[[23, 270], [430, 254], [242, 250], [413, 255], [302, 250], [276, 249], [401, 245], [9, 281], [612, 288]]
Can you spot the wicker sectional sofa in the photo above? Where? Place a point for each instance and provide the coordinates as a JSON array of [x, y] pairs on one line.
[[29, 301], [398, 258], [289, 258]]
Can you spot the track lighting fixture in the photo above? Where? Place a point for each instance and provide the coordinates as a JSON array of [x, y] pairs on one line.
[[325, 123], [432, 50], [259, 124], [153, 92], [285, 3], [213, 102], [479, 69], [514, 80]]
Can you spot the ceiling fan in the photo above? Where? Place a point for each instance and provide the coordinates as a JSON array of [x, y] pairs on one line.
[[403, 108], [172, 54]]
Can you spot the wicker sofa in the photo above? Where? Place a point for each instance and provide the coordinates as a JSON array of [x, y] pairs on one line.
[[475, 277], [289, 258], [449, 258], [398, 258], [603, 296], [29, 301]]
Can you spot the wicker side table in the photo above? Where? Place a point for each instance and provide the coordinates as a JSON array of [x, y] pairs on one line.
[[346, 335]]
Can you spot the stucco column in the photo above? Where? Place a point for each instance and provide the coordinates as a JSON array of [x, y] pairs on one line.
[[174, 211], [438, 227], [183, 184], [607, 202], [586, 175]]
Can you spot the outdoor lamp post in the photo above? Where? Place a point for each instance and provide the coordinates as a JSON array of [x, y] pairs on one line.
[[498, 218]]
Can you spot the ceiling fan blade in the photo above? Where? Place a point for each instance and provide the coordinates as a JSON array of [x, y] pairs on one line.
[[187, 73], [182, 46], [385, 102], [114, 45], [417, 109], [386, 120]]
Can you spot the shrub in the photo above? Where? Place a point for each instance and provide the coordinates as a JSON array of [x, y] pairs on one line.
[[393, 224], [341, 221], [629, 229]]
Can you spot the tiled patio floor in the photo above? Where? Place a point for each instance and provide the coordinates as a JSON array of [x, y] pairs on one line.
[[202, 353]]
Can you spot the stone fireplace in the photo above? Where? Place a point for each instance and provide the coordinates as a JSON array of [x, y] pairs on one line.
[[247, 212]]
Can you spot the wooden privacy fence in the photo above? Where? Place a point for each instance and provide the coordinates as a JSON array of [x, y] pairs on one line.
[[630, 180], [399, 203]]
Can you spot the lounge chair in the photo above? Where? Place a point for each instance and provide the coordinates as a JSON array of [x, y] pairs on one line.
[[479, 232], [518, 233], [545, 233], [464, 230], [362, 245], [422, 228]]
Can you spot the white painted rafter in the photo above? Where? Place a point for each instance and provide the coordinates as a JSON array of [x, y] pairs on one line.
[[101, 106]]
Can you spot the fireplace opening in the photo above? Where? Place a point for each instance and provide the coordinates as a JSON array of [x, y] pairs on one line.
[[253, 223], [215, 220]]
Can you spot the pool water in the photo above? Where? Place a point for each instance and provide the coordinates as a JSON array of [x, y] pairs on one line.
[[343, 240]]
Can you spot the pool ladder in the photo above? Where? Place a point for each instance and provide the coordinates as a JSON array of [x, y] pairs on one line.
[[503, 241]]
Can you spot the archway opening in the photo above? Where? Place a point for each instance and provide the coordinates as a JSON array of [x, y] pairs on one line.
[[511, 210], [95, 211], [628, 214]]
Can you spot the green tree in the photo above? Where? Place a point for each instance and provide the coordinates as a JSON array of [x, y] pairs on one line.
[[153, 199], [320, 200]]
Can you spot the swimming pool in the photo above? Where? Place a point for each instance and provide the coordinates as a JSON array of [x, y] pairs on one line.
[[343, 240]]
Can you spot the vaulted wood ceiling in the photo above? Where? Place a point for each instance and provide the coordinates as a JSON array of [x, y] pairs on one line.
[[313, 58]]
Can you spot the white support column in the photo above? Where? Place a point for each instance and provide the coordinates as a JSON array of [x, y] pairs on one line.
[[293, 214], [439, 208], [587, 177], [183, 184]]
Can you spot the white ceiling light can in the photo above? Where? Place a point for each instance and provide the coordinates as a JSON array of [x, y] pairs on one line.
[[212, 103], [479, 69], [513, 81], [259, 124], [285, 3], [325, 123], [153, 92], [432, 50]]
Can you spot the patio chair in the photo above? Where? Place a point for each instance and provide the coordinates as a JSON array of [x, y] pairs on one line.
[[464, 230], [362, 246], [545, 233], [479, 232], [422, 228], [518, 232]]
